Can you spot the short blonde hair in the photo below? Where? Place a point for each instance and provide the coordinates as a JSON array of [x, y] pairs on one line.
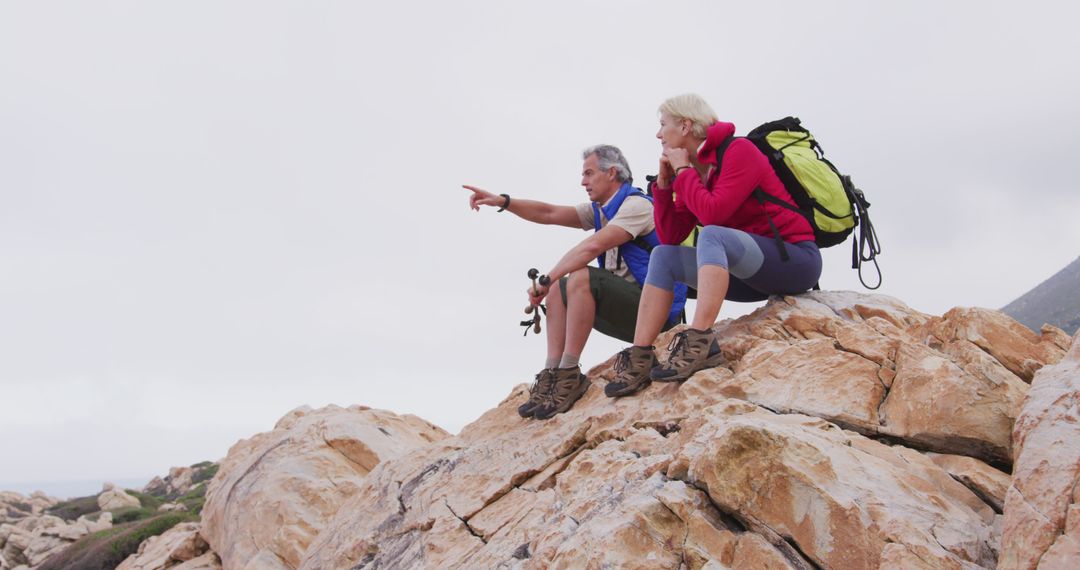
[[692, 107]]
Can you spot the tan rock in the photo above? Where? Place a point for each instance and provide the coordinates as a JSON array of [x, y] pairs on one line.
[[156, 486], [171, 507], [275, 492], [861, 362], [603, 485], [42, 547], [985, 481], [842, 498], [1042, 505], [179, 544], [179, 480], [116, 498], [1009, 342], [208, 561]]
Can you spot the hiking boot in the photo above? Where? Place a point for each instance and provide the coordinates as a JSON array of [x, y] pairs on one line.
[[537, 392], [691, 350], [569, 385], [632, 367]]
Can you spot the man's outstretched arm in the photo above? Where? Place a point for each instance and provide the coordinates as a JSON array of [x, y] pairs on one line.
[[531, 210]]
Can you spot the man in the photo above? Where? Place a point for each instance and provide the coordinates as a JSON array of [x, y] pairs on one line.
[[587, 297]]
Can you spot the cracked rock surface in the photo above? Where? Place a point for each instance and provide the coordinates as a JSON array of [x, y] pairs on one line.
[[1042, 505], [276, 491], [844, 431]]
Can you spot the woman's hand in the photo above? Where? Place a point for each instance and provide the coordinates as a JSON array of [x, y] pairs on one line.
[[481, 197], [677, 158], [666, 173]]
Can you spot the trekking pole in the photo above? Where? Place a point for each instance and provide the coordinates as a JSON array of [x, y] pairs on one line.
[[534, 310]]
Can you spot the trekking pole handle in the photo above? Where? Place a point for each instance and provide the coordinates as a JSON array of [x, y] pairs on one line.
[[545, 280]]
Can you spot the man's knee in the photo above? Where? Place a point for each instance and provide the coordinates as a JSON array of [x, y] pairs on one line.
[[578, 280]]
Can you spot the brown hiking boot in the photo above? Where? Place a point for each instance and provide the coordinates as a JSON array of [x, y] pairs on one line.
[[632, 367], [691, 350], [569, 385], [537, 392]]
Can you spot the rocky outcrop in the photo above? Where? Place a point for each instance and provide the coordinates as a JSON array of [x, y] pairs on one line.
[[1042, 505], [828, 441], [113, 498], [275, 492], [33, 539], [173, 549]]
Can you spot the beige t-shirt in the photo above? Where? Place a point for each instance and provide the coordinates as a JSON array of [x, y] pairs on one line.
[[635, 216]]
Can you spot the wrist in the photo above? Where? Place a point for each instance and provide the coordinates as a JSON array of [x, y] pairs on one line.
[[506, 202], [681, 168]]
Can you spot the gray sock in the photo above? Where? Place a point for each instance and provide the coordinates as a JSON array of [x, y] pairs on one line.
[[569, 361], [552, 363]]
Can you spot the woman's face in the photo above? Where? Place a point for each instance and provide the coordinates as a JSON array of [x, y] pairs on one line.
[[674, 132]]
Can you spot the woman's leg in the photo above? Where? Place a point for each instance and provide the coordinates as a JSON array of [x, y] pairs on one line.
[[668, 264]]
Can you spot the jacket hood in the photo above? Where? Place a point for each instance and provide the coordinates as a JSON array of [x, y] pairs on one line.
[[715, 135]]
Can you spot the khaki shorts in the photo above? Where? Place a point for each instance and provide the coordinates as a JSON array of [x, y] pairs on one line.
[[616, 303]]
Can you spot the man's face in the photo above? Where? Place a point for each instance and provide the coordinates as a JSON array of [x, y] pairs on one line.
[[599, 184]]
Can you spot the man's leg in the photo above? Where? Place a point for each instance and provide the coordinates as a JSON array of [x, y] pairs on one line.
[[579, 317], [556, 326]]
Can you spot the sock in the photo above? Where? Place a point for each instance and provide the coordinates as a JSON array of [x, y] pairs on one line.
[[552, 362], [569, 361]]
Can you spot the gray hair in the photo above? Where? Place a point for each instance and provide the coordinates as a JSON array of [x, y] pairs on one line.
[[608, 156]]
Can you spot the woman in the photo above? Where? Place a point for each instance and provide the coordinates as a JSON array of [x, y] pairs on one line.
[[737, 256]]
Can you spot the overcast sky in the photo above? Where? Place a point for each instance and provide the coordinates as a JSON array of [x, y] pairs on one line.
[[214, 212]]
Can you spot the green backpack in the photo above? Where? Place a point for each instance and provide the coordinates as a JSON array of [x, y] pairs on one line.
[[827, 199]]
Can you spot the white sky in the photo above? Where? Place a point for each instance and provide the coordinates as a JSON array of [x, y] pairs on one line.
[[214, 212]]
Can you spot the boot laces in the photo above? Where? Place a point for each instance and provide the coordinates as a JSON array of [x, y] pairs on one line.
[[680, 344], [622, 361]]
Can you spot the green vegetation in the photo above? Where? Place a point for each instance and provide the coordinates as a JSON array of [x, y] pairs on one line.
[[207, 472], [75, 508], [147, 501], [106, 549]]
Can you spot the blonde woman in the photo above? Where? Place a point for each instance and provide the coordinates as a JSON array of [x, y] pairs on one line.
[[738, 254]]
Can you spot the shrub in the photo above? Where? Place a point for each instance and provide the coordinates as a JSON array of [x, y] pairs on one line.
[[121, 516], [75, 508], [207, 473], [106, 549], [147, 501]]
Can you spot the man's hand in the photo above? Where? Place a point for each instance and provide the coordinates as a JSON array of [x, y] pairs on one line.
[[482, 197], [536, 296], [677, 158]]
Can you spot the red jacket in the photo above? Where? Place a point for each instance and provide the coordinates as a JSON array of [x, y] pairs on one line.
[[726, 200]]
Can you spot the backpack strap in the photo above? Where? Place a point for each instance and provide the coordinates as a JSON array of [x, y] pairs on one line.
[[762, 197]]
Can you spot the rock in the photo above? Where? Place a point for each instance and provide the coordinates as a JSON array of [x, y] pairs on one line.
[[862, 362], [156, 486], [985, 481], [107, 486], [844, 431], [275, 492], [171, 507], [179, 480], [42, 547], [1042, 505], [179, 544], [114, 499], [652, 481], [208, 561]]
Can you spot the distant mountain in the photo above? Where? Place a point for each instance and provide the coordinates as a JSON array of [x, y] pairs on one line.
[[1055, 301]]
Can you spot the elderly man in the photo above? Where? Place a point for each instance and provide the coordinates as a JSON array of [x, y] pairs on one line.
[[604, 298]]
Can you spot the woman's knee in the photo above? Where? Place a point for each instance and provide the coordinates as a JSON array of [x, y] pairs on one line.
[[666, 266]]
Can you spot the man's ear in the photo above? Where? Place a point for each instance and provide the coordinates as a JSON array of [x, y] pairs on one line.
[[612, 173]]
